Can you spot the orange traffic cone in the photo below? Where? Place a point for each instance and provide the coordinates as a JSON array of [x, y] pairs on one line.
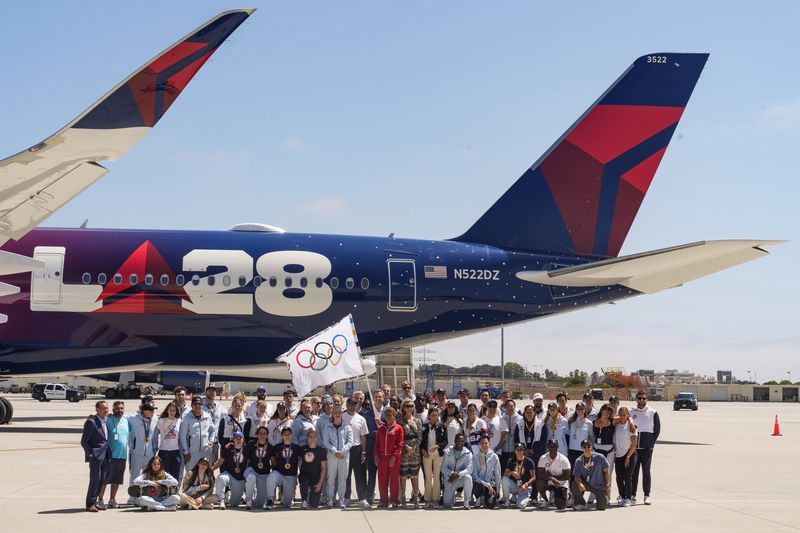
[[776, 432]]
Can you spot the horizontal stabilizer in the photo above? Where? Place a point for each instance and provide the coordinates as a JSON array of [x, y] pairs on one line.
[[11, 263], [657, 270]]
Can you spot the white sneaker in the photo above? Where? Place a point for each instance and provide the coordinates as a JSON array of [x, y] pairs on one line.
[[626, 503], [268, 505], [342, 505], [647, 500], [364, 504], [221, 505], [579, 507], [591, 499], [543, 505], [133, 501], [304, 505]]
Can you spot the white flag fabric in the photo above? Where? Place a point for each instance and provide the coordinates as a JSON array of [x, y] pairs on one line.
[[329, 356]]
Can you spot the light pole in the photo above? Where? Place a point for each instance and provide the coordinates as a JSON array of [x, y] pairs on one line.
[[749, 378]]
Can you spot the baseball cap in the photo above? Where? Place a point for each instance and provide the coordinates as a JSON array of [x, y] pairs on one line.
[[197, 400], [491, 403], [551, 442], [280, 404], [261, 388], [580, 405], [238, 435], [538, 396], [464, 392], [613, 398], [352, 401], [440, 391], [519, 446], [147, 407]]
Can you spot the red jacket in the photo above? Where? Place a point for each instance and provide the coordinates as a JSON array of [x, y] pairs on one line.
[[389, 441]]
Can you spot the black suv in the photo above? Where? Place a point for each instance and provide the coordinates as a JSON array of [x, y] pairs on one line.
[[685, 400]]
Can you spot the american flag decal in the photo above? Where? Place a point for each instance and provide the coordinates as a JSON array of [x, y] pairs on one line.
[[435, 272]]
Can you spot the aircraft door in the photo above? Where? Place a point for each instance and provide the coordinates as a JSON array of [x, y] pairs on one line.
[[46, 284], [402, 285]]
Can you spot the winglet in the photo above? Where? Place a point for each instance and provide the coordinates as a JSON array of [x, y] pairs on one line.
[[144, 97]]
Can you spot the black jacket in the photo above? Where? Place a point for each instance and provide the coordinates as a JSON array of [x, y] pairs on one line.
[[441, 437]]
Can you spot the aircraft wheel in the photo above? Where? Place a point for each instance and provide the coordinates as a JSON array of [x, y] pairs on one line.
[[9, 410], [2, 412]]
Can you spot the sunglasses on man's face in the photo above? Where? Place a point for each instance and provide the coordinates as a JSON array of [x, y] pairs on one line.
[[641, 397]]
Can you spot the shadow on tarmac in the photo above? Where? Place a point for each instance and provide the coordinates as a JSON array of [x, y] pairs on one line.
[[14, 429]]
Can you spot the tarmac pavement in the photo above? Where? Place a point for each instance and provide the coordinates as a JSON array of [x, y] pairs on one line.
[[717, 469]]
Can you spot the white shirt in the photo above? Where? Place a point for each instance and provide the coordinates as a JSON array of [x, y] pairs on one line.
[[250, 411], [168, 432], [556, 467], [622, 438], [496, 426], [644, 418], [359, 425]]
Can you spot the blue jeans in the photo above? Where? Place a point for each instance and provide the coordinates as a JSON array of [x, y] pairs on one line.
[[254, 482], [287, 483]]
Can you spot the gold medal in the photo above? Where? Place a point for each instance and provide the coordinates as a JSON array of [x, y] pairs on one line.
[[237, 470], [287, 466], [261, 466]]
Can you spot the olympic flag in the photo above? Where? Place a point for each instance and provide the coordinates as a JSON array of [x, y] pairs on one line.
[[329, 356]]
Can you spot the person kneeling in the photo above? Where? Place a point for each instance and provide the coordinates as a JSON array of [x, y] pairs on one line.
[[590, 474], [457, 472], [155, 489], [552, 474], [285, 457], [197, 491], [255, 477], [519, 477], [232, 463], [486, 474]]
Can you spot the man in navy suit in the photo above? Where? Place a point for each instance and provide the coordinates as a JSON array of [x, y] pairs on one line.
[[97, 453]]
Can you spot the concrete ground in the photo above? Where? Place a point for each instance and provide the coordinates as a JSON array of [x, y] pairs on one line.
[[717, 469]]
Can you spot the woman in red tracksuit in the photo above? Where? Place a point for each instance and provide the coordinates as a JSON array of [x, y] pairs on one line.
[[388, 453]]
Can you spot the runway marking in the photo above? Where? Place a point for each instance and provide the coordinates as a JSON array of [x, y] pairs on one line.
[[59, 447], [718, 506], [366, 519]]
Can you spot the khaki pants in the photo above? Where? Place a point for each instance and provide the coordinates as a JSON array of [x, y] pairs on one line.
[[432, 467], [187, 502]]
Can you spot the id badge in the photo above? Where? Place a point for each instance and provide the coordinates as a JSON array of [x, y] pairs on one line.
[[599, 440], [116, 437]]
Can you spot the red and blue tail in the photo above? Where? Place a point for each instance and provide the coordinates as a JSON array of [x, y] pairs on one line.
[[582, 195]]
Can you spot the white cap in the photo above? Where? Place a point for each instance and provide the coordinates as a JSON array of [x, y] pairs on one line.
[[538, 396]]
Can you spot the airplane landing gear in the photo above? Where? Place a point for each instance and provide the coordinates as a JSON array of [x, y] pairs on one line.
[[6, 411]]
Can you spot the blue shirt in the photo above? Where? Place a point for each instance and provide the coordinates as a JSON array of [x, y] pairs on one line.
[[594, 477], [118, 429]]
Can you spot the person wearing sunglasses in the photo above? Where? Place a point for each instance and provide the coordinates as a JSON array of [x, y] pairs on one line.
[[590, 474]]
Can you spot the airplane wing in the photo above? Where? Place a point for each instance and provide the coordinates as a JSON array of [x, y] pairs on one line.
[[36, 182], [657, 270]]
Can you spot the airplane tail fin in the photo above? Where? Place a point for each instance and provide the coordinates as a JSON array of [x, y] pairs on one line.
[[582, 195]]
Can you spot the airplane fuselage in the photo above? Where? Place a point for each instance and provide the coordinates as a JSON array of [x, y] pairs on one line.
[[221, 299]]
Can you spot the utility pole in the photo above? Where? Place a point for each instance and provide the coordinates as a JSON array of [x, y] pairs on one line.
[[502, 361]]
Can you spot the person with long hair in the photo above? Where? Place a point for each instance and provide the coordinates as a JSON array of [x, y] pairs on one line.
[[154, 475], [165, 439], [451, 419], [625, 440], [232, 464], [285, 461], [604, 436], [302, 424], [557, 428], [531, 433], [388, 454], [412, 457], [232, 422], [197, 490], [279, 420], [258, 419], [580, 429], [337, 439], [474, 427], [258, 467], [433, 443]]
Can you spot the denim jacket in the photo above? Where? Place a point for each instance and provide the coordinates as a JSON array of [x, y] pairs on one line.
[[337, 439], [140, 442]]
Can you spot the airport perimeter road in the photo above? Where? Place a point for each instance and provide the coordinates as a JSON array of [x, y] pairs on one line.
[[717, 469]]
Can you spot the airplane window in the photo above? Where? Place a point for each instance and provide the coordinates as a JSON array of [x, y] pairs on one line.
[[334, 283], [195, 280], [133, 279], [102, 278], [242, 281], [364, 283], [318, 283], [148, 279], [273, 281], [86, 278], [164, 280], [257, 281], [117, 279], [287, 281], [211, 281], [180, 280], [226, 280], [349, 283], [303, 282]]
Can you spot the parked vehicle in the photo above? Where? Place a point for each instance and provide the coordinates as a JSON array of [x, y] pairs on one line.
[[685, 400], [44, 392]]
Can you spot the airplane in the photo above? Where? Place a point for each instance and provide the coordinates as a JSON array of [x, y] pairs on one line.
[[86, 301]]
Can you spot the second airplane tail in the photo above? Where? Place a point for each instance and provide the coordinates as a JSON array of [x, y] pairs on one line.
[[582, 195]]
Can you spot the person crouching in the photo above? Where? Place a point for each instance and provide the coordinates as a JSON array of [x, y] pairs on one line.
[[157, 486]]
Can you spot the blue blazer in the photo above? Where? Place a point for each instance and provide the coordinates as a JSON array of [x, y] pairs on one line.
[[93, 440]]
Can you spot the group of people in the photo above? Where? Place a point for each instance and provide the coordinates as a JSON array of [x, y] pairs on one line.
[[202, 455]]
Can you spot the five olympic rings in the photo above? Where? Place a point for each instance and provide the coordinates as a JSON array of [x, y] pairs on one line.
[[323, 352]]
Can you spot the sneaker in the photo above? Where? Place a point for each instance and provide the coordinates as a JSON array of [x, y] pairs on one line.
[[467, 506], [133, 502], [248, 506], [626, 502], [330, 504], [268, 505], [579, 507], [112, 504], [647, 500], [221, 505], [591, 499], [304, 505], [346, 502], [364, 504], [342, 505], [171, 508], [144, 508], [505, 505], [543, 505], [100, 503], [633, 500]]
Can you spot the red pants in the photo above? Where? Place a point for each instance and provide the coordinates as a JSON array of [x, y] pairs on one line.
[[389, 479]]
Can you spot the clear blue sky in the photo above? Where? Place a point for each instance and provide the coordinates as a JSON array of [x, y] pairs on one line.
[[413, 117]]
